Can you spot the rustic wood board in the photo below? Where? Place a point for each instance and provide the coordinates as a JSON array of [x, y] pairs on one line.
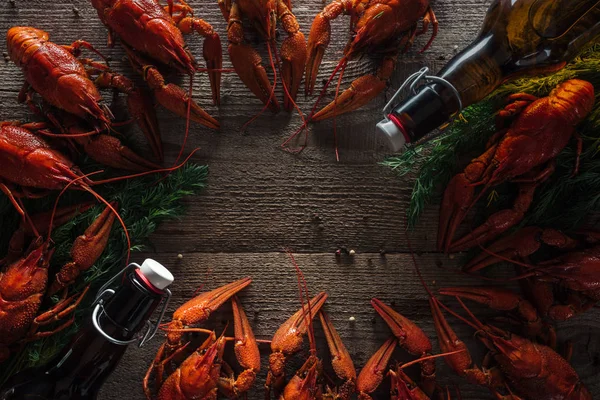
[[261, 199]]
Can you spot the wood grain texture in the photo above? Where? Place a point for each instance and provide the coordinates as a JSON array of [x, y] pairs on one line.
[[260, 199]]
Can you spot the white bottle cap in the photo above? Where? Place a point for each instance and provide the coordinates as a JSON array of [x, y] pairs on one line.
[[156, 273], [393, 134]]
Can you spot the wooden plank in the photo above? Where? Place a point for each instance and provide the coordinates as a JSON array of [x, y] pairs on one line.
[[261, 198], [350, 282]]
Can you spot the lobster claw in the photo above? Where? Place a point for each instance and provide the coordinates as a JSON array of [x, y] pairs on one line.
[[460, 362], [361, 91], [110, 151], [293, 55], [341, 361], [246, 352], [199, 309], [457, 199], [248, 65], [372, 374], [175, 99], [142, 111], [318, 40], [86, 250]]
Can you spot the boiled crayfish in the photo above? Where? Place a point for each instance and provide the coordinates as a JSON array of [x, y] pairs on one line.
[[152, 37], [528, 369], [523, 154], [246, 60], [23, 284], [201, 376], [306, 382], [62, 80], [378, 26], [577, 270]]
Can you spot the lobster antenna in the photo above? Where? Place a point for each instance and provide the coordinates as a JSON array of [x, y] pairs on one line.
[[156, 171], [301, 283], [271, 95], [429, 357], [335, 99], [341, 64], [52, 215], [187, 118]]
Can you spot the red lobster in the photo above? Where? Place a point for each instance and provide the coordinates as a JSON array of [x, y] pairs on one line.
[[152, 37], [246, 60], [23, 285], [383, 26], [529, 370], [523, 154], [577, 270], [56, 74], [200, 375]]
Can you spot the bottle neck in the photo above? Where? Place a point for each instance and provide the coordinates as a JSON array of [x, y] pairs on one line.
[[127, 311], [474, 73]]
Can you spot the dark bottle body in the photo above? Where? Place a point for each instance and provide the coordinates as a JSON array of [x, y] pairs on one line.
[[81, 368], [518, 37]]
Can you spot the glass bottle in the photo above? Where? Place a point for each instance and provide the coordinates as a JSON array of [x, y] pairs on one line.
[[518, 37], [81, 368]]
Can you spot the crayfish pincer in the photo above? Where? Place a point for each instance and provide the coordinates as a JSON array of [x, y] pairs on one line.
[[539, 129], [62, 79]]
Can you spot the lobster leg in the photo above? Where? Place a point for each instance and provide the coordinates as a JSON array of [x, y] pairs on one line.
[[319, 37], [461, 362], [429, 19], [412, 339], [361, 91], [247, 354], [198, 375], [517, 102], [372, 374], [519, 245], [341, 361], [458, 196], [288, 340], [41, 221], [498, 222], [212, 50], [246, 61], [86, 250], [293, 54], [169, 95], [56, 313], [402, 387], [140, 107], [303, 385], [503, 300]]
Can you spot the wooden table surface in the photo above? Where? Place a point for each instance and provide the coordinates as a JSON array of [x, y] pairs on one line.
[[261, 200]]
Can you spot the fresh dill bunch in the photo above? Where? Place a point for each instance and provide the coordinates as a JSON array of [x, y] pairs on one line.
[[563, 201], [143, 203]]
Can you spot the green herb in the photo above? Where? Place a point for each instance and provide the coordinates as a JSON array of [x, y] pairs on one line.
[[563, 201], [143, 204]]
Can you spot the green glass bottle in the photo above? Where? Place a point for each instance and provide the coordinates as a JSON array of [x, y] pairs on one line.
[[518, 37]]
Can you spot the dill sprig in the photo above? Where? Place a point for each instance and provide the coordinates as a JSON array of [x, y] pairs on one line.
[[143, 203], [563, 201]]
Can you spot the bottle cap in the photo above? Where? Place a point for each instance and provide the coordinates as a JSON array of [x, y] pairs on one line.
[[156, 273], [393, 133]]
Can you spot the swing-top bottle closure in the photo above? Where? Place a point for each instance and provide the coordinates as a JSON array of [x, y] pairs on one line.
[[392, 127], [156, 278]]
